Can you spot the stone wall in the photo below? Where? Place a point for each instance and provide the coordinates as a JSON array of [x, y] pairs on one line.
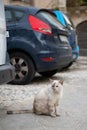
[[16, 3], [6, 1], [40, 3], [78, 15], [44, 3]]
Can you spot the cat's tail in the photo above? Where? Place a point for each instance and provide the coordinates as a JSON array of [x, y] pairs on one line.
[[19, 111]]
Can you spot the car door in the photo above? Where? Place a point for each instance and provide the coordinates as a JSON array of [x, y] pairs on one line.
[[10, 23], [20, 24]]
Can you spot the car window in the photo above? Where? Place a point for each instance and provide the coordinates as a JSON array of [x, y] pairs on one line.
[[18, 15], [8, 15], [51, 19]]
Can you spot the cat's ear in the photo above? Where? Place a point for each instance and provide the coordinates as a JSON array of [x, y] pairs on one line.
[[61, 82], [51, 80]]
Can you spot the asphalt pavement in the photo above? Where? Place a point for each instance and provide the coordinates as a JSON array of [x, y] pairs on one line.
[[73, 107]]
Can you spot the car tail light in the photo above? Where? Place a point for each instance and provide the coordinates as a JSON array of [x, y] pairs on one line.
[[39, 26], [48, 59]]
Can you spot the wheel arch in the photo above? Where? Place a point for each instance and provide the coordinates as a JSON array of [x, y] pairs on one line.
[[23, 51]]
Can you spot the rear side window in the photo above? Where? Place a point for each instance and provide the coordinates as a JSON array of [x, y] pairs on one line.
[[18, 15], [8, 15]]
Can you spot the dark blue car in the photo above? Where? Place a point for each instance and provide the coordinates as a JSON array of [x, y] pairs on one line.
[[66, 21], [36, 42]]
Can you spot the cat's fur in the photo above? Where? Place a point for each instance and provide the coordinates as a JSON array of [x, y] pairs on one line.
[[46, 101]]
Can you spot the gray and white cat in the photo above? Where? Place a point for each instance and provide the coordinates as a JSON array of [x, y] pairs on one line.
[[46, 101]]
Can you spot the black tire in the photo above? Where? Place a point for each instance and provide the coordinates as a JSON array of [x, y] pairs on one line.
[[24, 68], [48, 73]]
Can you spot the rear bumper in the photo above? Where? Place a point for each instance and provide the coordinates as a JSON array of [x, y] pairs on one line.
[[61, 59], [56, 65], [6, 73]]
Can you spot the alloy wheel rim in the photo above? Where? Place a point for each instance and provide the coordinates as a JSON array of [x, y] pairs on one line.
[[21, 68]]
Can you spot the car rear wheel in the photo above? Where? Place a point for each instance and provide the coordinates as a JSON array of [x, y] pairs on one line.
[[48, 73], [24, 68]]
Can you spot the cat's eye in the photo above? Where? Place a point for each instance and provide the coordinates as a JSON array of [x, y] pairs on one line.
[[56, 86]]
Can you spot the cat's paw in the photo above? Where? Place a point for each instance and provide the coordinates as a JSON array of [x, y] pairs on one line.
[[57, 114], [53, 115]]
